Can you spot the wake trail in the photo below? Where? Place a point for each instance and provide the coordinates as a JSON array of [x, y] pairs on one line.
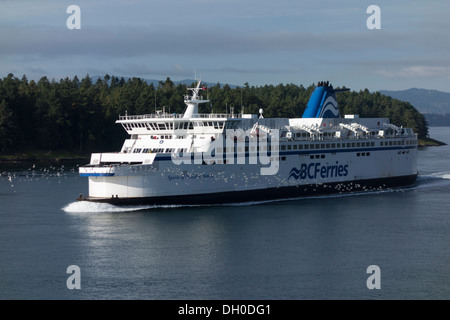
[[96, 207]]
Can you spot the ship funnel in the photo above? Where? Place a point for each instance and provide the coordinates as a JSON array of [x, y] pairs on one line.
[[323, 103]]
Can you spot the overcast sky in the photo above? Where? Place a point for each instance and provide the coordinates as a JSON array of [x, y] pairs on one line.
[[232, 41]]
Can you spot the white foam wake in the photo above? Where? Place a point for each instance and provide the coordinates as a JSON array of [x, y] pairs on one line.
[[433, 180], [442, 175], [96, 207]]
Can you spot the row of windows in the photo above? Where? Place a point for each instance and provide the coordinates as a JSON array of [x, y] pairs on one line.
[[312, 146], [327, 145], [308, 135], [322, 156], [397, 143], [292, 147], [315, 146], [224, 161], [284, 147], [154, 150], [175, 125], [317, 156]]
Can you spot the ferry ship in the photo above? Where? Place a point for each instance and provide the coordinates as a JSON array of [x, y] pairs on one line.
[[195, 158]]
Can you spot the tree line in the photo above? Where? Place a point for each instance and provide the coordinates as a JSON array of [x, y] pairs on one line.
[[79, 115]]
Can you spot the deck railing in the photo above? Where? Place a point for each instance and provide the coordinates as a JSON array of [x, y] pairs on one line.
[[175, 116]]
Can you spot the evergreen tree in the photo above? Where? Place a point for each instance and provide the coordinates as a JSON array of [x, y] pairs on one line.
[[8, 129]]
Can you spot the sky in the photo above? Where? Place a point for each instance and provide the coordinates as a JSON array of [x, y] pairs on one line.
[[232, 41]]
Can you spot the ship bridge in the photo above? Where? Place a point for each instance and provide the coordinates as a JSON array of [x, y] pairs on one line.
[[172, 124]]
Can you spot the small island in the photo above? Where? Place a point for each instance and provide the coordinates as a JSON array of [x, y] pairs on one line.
[[430, 142], [66, 120]]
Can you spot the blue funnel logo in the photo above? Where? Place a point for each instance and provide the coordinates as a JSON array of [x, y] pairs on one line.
[[322, 103]]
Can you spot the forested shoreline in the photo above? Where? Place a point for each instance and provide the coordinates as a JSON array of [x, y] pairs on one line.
[[78, 115]]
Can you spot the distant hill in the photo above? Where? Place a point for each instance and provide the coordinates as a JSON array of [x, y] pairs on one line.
[[424, 100], [433, 104]]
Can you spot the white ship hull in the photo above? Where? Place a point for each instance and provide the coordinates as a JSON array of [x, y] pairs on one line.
[[298, 175]]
